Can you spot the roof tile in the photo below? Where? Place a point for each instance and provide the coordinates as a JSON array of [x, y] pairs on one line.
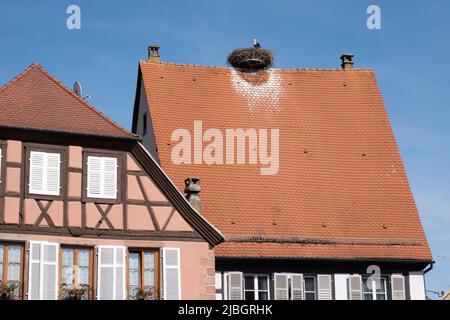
[[340, 175]]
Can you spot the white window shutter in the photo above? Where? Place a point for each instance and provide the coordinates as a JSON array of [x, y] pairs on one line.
[[398, 287], [120, 274], [355, 287], [110, 178], [324, 287], [235, 286], [281, 286], [102, 177], [94, 177], [53, 173], [44, 173], [43, 271], [171, 273], [34, 271], [297, 292], [111, 273], [37, 172], [50, 271]]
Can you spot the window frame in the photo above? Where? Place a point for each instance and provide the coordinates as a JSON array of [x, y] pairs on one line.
[[374, 289], [256, 289], [157, 264], [314, 277], [121, 171], [3, 276], [75, 256], [62, 170]]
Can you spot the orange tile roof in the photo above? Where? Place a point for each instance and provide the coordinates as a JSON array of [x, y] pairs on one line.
[[341, 184], [35, 99]]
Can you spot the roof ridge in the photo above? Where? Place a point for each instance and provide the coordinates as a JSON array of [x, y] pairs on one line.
[[227, 68], [17, 77], [92, 108]]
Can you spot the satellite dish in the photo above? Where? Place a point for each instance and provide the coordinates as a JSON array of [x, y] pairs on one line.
[[77, 89]]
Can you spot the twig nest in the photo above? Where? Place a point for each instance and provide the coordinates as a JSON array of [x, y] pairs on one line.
[[251, 59]]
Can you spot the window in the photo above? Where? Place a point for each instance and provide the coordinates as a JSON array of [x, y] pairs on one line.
[[76, 272], [256, 287], [310, 288], [11, 263], [372, 292], [44, 173], [102, 177], [142, 274], [144, 123]]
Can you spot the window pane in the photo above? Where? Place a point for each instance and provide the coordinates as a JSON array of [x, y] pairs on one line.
[[381, 297], [67, 266], [84, 257], [67, 257], [249, 295], [263, 295], [309, 284], [262, 283], [368, 296], [310, 296], [83, 275], [14, 253], [382, 284], [149, 269], [249, 283], [134, 272], [14, 256]]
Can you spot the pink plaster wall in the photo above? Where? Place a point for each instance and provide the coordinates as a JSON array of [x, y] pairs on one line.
[[13, 179], [131, 164], [74, 213], [56, 213], [153, 192], [75, 157], [177, 223], [12, 210], [74, 189], [14, 151], [31, 211], [134, 192], [139, 218], [196, 259]]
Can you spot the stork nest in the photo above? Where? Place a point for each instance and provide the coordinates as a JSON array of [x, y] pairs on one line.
[[251, 59]]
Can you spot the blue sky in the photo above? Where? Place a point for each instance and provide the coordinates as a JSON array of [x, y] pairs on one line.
[[410, 55]]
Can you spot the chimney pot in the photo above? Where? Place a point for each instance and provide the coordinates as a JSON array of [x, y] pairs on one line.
[[192, 190], [153, 53], [347, 61]]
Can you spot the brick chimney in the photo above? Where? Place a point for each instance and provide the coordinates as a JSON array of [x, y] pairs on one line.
[[153, 53], [192, 190], [347, 61]]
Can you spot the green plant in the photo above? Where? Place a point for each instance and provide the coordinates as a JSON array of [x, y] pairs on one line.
[[70, 292], [147, 293], [8, 290]]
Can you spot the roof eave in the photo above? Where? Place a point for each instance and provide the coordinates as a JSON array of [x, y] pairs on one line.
[[65, 137]]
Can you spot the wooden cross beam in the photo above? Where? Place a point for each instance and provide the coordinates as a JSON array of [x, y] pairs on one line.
[[104, 214], [149, 207], [44, 214]]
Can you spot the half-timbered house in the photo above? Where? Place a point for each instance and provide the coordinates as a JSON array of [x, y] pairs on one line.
[[334, 212], [83, 205]]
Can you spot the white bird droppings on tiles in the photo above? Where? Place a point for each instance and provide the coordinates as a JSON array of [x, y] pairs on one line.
[[266, 95]]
